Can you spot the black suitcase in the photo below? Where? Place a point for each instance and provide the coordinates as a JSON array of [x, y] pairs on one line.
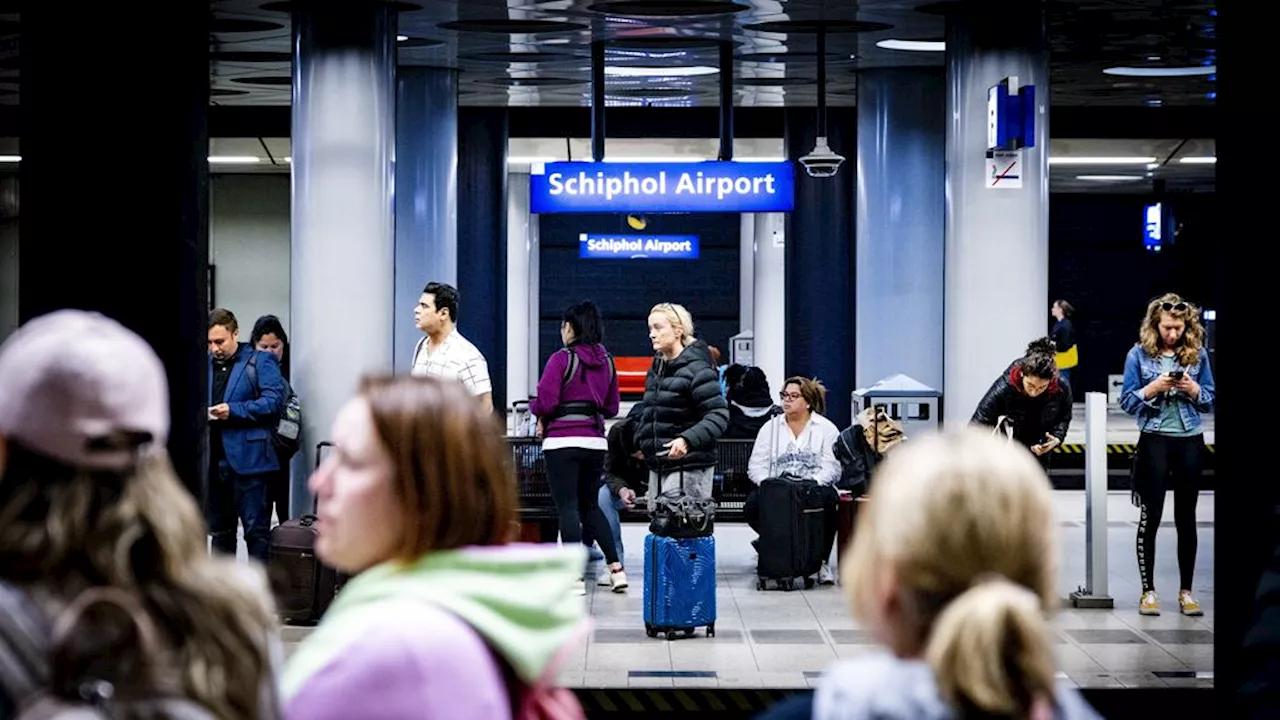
[[791, 532], [303, 586]]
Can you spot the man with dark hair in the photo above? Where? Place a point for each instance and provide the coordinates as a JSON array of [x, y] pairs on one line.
[[246, 396], [444, 352]]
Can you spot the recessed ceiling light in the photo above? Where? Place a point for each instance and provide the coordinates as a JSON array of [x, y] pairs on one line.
[[673, 71], [1162, 71], [401, 38], [234, 159], [1110, 178], [1101, 160], [1199, 160], [913, 45], [10, 158]]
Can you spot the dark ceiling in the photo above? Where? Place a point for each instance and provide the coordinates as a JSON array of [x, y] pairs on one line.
[[518, 53]]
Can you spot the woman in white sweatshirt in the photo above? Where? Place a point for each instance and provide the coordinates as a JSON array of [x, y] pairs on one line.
[[798, 444]]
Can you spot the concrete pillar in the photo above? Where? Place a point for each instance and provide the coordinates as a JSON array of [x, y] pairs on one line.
[[997, 248], [343, 240]]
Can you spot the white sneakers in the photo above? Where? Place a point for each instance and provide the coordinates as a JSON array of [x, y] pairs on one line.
[[617, 581]]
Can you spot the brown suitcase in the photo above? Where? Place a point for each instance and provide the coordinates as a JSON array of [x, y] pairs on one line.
[[303, 586]]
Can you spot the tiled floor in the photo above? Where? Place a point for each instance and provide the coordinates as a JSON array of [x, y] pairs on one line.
[[784, 640]]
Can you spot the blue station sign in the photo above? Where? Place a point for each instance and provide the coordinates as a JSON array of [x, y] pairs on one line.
[[597, 246], [695, 187]]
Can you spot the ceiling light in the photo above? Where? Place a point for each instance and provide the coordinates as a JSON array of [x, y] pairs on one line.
[[401, 38], [1110, 178], [1199, 160], [534, 160], [10, 158], [1101, 160], [234, 159], [675, 71], [913, 45], [1162, 71]]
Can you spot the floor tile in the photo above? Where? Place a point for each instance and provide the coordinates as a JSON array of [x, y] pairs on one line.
[[787, 637], [1181, 637], [850, 637], [1196, 657], [652, 656], [604, 679], [1140, 680], [1132, 658], [701, 656], [1094, 680], [797, 658], [1072, 659], [1105, 637]]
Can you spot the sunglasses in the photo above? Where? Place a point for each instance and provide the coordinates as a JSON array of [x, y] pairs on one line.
[[1173, 307]]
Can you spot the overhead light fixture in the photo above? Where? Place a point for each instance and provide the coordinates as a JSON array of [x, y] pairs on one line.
[[401, 38], [534, 160], [234, 159], [1110, 178], [1199, 160], [1101, 160], [913, 45], [10, 158], [672, 71], [1192, 71]]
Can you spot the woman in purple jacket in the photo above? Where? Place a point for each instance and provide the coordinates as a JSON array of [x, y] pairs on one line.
[[577, 393]]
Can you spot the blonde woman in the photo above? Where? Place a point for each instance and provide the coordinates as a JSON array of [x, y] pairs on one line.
[[954, 568], [90, 507], [1167, 385], [684, 410]]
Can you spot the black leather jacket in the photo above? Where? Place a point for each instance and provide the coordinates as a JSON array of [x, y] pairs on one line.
[[1032, 417]]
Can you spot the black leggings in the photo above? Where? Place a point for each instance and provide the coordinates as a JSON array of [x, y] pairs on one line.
[[1168, 463], [574, 476]]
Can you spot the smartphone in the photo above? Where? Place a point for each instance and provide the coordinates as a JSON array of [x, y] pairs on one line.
[[1176, 375]]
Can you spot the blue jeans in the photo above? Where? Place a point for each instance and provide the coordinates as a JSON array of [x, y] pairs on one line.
[[245, 498], [1065, 377], [610, 503]]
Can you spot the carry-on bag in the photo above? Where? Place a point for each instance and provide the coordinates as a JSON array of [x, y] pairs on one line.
[[303, 586], [792, 527], [679, 585]]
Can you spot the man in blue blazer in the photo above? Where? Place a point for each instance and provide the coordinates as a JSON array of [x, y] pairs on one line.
[[246, 396]]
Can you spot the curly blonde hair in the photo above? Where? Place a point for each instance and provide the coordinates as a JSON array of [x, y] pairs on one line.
[[1172, 304]]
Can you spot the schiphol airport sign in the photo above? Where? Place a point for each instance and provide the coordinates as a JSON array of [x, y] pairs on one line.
[[693, 187], [627, 247]]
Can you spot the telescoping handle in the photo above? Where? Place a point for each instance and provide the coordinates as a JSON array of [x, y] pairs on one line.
[[320, 446]]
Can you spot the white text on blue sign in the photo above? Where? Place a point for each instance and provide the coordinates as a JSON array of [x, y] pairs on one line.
[[662, 247], [663, 187]]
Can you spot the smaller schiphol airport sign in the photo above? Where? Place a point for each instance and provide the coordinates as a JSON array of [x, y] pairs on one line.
[[627, 247], [693, 187]]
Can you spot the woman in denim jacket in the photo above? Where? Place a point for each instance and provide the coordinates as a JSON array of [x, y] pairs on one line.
[[1167, 385]]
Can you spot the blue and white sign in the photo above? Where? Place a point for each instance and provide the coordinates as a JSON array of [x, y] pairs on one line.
[[1153, 228], [627, 247], [696, 187], [1011, 115]]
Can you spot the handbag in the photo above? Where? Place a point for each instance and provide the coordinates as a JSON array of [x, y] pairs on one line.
[[677, 515]]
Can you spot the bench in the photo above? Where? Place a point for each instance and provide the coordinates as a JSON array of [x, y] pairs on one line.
[[729, 490]]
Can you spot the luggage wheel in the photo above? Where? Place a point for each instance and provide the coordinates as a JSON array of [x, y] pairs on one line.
[[650, 630], [760, 584], [809, 583], [711, 630]]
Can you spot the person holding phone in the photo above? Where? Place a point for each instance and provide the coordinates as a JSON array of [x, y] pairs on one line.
[[1168, 385], [1030, 396]]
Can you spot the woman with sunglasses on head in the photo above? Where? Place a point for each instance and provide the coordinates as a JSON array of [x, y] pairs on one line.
[[1167, 386], [1029, 399]]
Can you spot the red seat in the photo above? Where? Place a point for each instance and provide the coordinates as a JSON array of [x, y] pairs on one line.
[[631, 374]]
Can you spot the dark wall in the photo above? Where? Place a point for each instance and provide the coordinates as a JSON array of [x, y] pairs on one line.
[[1098, 263], [625, 290]]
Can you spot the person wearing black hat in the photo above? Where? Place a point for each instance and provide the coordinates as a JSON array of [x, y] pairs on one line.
[[750, 405]]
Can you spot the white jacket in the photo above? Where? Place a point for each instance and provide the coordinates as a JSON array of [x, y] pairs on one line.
[[810, 456]]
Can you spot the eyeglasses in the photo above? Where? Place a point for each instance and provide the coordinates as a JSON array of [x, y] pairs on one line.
[[789, 396], [1172, 307]]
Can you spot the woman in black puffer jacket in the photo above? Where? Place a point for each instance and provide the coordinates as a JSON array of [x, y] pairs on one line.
[[684, 412]]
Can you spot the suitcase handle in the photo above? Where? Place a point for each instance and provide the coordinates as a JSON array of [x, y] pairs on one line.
[[309, 520]]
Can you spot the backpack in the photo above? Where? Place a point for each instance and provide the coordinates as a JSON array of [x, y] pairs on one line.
[[584, 407], [69, 669], [286, 432], [541, 700]]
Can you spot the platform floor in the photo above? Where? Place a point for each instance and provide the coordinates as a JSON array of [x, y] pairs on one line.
[[784, 640], [1121, 429]]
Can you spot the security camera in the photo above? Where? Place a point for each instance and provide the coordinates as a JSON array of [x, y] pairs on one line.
[[821, 162]]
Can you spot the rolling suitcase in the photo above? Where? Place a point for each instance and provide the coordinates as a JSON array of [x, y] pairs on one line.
[[303, 586], [679, 585], [791, 532]]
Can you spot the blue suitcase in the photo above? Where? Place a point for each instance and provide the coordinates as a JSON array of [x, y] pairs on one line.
[[679, 585]]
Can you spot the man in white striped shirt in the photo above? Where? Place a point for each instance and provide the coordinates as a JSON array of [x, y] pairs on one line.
[[444, 352]]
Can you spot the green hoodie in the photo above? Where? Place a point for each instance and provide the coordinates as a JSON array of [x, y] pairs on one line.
[[520, 598]]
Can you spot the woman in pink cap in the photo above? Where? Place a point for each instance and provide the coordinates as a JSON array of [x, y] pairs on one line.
[[108, 595]]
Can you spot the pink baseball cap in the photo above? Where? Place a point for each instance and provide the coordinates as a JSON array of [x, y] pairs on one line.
[[83, 389]]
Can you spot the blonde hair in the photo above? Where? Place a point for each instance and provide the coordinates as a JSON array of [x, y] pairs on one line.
[[64, 530], [1188, 349], [679, 317], [967, 524]]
